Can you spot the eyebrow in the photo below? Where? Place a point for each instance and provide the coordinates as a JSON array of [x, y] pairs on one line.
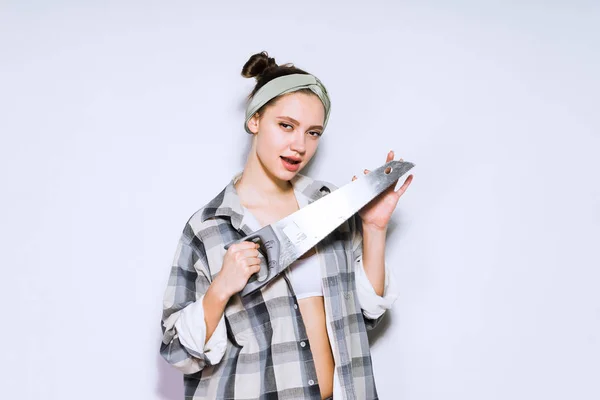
[[298, 123]]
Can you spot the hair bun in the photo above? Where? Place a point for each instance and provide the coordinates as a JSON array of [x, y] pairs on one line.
[[257, 64]]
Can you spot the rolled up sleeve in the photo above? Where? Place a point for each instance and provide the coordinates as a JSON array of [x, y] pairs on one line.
[[373, 306], [191, 328]]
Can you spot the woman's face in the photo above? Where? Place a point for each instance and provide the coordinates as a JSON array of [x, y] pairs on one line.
[[287, 133]]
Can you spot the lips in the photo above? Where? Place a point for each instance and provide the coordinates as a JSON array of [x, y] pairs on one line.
[[292, 160], [292, 164]]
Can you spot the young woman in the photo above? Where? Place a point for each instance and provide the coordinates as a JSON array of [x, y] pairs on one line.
[[303, 335]]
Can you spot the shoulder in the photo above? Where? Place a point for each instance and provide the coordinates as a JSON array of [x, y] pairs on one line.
[[312, 188], [200, 223]]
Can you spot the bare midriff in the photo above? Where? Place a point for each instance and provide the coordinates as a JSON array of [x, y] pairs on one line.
[[313, 314], [312, 308]]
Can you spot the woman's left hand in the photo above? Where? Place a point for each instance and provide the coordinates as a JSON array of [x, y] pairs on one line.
[[377, 213]]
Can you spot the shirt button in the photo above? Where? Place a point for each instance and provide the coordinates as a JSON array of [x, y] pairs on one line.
[[311, 382], [303, 344], [295, 306]]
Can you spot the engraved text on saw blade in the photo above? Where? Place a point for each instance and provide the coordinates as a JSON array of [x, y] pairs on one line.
[[294, 233]]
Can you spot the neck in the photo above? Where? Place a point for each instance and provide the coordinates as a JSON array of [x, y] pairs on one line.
[[257, 187]]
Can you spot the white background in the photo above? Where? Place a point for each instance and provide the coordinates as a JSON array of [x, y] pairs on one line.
[[119, 119]]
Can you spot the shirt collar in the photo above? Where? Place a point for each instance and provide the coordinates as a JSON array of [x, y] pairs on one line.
[[227, 203]]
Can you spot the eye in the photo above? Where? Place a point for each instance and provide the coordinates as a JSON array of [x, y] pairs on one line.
[[315, 133], [285, 126]]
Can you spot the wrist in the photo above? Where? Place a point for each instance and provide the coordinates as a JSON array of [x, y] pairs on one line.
[[218, 291], [374, 229]]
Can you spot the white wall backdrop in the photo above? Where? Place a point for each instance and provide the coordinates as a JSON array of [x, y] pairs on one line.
[[119, 119]]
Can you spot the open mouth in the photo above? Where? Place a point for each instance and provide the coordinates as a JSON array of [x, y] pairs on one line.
[[289, 160]]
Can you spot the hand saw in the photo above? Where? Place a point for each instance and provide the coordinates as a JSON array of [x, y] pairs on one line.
[[289, 238]]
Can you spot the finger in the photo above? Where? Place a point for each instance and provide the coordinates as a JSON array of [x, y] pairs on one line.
[[254, 269], [251, 261], [405, 185], [354, 178], [243, 246], [390, 156], [366, 171], [248, 253]]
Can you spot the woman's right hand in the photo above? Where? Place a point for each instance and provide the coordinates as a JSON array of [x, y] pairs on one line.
[[240, 262]]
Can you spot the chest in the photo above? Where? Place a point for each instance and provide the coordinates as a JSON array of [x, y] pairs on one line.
[[272, 314], [268, 214]]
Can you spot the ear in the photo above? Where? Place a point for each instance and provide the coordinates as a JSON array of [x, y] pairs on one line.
[[253, 123]]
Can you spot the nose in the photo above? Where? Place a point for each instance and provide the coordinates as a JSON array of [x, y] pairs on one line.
[[298, 142]]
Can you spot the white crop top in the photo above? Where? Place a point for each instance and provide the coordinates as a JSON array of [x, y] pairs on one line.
[[305, 274]]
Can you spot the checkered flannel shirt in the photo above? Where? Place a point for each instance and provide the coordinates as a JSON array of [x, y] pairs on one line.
[[268, 354]]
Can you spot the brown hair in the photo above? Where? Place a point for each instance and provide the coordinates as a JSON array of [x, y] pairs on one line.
[[264, 69]]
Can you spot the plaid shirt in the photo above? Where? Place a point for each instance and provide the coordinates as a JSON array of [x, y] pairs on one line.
[[267, 355]]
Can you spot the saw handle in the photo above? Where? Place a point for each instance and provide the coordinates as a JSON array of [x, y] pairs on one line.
[[267, 240]]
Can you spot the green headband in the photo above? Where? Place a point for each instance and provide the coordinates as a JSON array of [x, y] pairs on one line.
[[287, 84]]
